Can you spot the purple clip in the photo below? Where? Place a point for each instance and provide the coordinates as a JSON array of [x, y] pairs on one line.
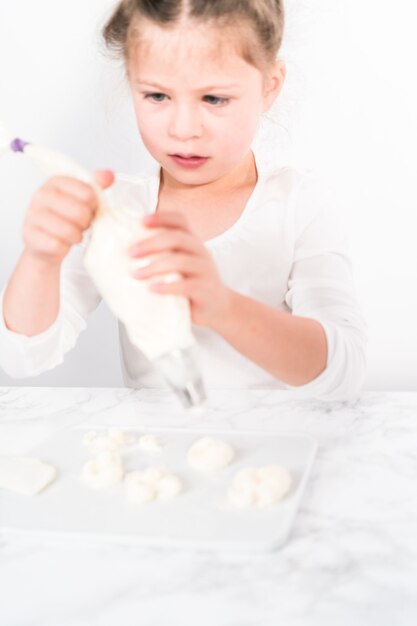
[[18, 145]]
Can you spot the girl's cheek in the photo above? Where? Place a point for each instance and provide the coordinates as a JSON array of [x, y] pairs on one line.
[[151, 135]]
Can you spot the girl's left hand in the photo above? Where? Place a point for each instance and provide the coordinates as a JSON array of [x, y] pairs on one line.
[[182, 251]]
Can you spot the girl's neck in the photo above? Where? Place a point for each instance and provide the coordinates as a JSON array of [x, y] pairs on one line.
[[244, 175]]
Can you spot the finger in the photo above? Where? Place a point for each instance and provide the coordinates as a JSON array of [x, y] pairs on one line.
[[185, 264], [50, 244], [167, 219], [58, 227], [74, 187], [68, 208], [105, 178], [182, 287], [167, 240]]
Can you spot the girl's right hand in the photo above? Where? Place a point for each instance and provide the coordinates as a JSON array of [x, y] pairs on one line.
[[60, 211]]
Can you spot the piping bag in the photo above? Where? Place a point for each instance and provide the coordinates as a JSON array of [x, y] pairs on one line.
[[158, 324]]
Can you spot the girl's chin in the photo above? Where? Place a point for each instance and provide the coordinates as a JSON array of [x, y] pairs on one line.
[[189, 176]]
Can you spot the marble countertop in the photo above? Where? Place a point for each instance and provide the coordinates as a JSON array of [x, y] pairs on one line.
[[351, 557]]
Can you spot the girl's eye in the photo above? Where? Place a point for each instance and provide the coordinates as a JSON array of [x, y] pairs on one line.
[[213, 100], [155, 97], [216, 100]]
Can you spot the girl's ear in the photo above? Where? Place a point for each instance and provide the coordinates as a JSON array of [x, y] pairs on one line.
[[274, 81]]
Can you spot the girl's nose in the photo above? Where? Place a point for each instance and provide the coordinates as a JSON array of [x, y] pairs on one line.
[[185, 123]]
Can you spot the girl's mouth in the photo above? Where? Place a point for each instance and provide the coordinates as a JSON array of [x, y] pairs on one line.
[[189, 161]]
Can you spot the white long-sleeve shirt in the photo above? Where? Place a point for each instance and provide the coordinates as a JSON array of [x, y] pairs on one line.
[[287, 250]]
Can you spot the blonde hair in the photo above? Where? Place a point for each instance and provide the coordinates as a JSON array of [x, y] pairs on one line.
[[265, 18]]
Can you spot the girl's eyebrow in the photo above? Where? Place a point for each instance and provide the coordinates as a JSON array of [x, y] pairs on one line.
[[208, 88]]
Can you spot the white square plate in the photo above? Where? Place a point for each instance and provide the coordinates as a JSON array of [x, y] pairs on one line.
[[200, 518]]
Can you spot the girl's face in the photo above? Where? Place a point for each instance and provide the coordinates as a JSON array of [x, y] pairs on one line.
[[193, 94]]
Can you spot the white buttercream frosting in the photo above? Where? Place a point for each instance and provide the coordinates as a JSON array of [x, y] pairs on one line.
[[259, 487], [152, 483], [150, 443], [156, 323], [209, 454], [104, 470], [113, 439], [25, 475]]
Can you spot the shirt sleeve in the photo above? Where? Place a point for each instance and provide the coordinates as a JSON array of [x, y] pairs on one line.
[[321, 287], [22, 356]]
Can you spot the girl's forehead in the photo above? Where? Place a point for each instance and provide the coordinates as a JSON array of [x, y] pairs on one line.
[[187, 49]]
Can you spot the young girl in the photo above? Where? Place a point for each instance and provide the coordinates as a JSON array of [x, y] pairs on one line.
[[259, 249]]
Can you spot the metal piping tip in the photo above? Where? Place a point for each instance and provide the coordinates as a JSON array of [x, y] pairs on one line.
[[191, 394], [181, 372]]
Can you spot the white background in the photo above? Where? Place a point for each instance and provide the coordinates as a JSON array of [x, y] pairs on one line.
[[348, 108]]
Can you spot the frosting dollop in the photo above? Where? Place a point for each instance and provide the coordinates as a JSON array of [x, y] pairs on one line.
[[259, 487], [112, 440], [150, 443], [209, 454], [152, 483], [25, 475], [105, 470]]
